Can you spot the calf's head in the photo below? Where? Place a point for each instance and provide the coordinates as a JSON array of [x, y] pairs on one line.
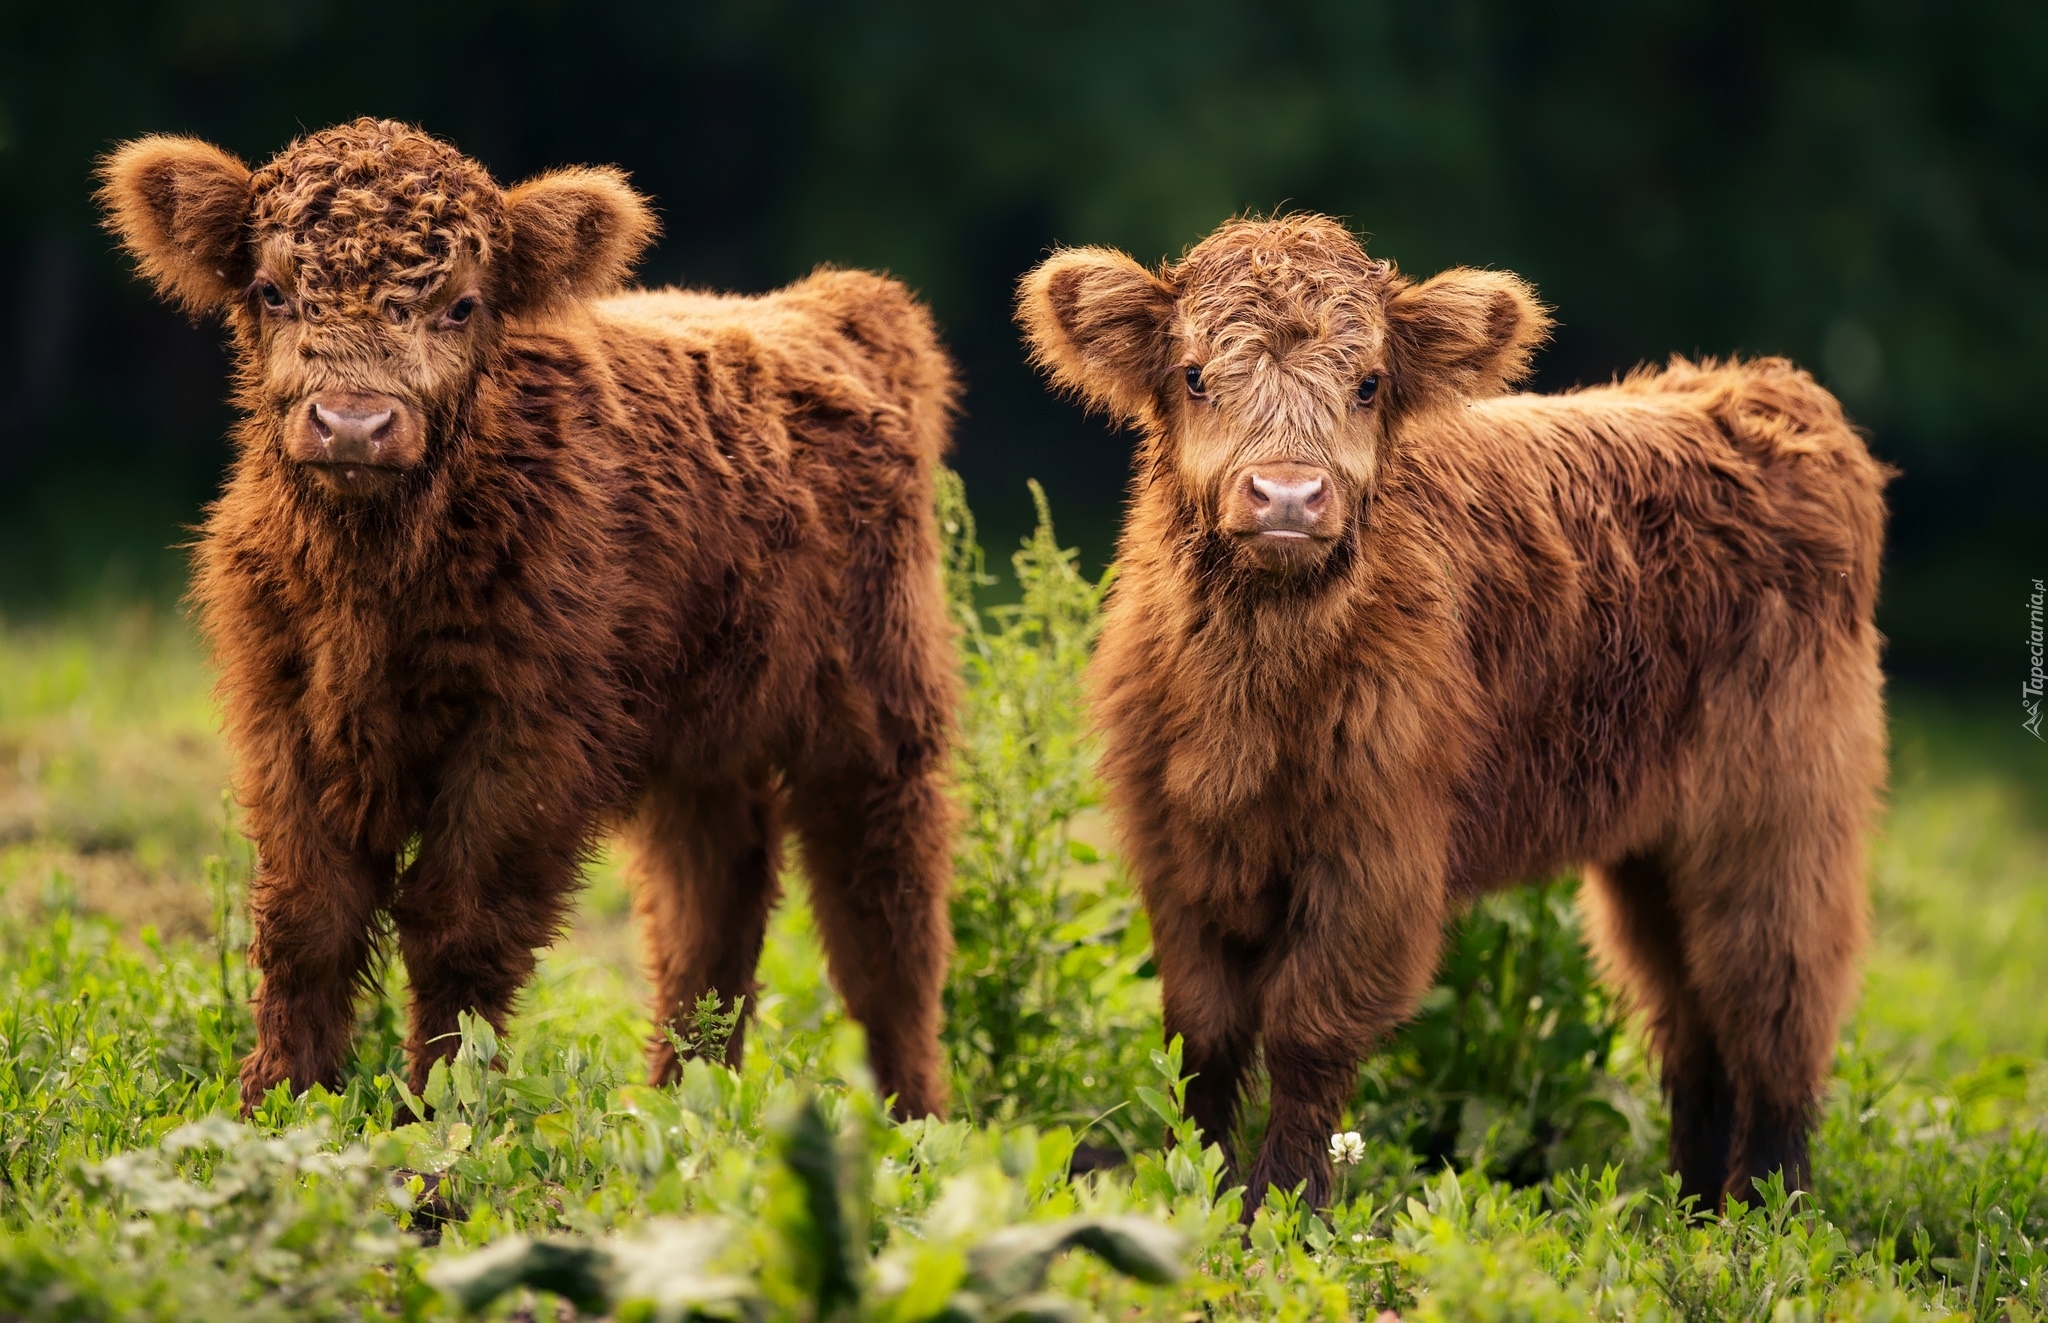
[[367, 272], [1271, 368]]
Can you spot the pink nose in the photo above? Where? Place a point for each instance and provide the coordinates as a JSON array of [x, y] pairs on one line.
[[352, 434], [1289, 506]]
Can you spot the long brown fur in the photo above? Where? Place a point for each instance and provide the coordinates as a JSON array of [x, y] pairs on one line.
[[664, 560], [1627, 627]]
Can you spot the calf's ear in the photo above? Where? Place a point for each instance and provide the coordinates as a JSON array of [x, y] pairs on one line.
[[181, 208], [1465, 332], [1096, 322], [575, 233]]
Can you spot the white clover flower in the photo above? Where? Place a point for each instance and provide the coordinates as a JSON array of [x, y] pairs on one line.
[[1347, 1148]]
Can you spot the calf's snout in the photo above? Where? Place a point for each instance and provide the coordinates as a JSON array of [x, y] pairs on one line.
[[1281, 501], [354, 433], [355, 441], [1288, 504]]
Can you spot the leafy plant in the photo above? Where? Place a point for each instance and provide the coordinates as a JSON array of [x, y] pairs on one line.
[[662, 1273], [1046, 1004], [707, 1026], [672, 1270], [286, 1225]]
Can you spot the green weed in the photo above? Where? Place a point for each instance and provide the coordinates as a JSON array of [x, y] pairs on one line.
[[1048, 1008]]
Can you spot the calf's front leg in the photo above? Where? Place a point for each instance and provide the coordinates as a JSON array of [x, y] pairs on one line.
[[1338, 986], [1209, 1001], [471, 920], [312, 911]]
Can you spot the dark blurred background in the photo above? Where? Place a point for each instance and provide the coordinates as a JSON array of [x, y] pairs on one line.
[[1857, 185]]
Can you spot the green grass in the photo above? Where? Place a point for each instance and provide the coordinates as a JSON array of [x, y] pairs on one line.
[[1513, 1139]]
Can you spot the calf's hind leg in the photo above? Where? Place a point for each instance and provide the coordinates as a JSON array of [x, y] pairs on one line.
[[1741, 949], [1635, 933], [705, 865], [1772, 918], [876, 849]]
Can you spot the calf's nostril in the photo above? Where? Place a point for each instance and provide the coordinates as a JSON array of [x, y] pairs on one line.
[[323, 423]]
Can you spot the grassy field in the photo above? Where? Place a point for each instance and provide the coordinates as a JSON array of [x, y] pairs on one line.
[[1512, 1137]]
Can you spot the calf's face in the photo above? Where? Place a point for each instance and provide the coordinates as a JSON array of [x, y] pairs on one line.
[[1271, 369], [367, 272]]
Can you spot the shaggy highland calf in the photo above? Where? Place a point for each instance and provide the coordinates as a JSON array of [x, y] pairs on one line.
[[1385, 637], [508, 556]]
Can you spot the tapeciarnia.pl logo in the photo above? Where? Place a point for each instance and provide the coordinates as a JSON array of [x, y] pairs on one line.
[[2030, 691]]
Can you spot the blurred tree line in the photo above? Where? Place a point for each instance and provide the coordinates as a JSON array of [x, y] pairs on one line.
[[1856, 183]]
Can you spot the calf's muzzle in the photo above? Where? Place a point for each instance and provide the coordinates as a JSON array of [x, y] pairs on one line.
[[1285, 515], [1282, 501], [1287, 504], [355, 442]]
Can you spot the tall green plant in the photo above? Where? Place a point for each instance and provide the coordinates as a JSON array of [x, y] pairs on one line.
[[1045, 1006]]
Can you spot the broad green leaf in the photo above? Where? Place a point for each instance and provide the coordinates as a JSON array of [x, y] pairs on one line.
[[440, 1091], [665, 1274], [805, 1145], [1014, 1261], [579, 1273], [1159, 1103]]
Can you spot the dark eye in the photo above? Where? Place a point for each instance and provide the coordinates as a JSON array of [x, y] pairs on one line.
[[1368, 388], [272, 296], [1195, 387], [459, 311]]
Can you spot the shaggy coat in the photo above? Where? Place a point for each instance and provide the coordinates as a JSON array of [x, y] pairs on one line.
[[508, 557], [1385, 637]]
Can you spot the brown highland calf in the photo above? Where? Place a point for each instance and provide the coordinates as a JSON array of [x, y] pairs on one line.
[[1386, 637], [507, 556]]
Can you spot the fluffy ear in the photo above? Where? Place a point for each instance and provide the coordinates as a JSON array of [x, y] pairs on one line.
[[575, 233], [1466, 332], [181, 207], [1096, 322]]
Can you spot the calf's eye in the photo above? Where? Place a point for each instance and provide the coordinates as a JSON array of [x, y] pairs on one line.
[[272, 296], [1368, 388], [1195, 387], [459, 311]]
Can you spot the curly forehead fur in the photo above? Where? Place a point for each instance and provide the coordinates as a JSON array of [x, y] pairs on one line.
[[376, 213], [1291, 290], [1284, 316]]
